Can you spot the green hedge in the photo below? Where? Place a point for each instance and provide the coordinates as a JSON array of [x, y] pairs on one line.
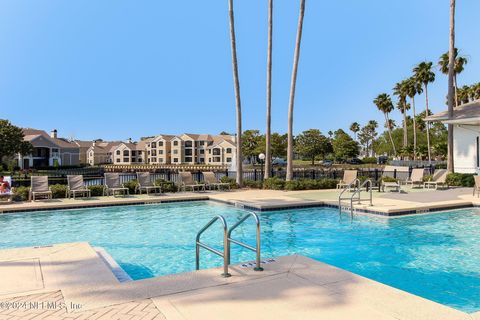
[[311, 184], [460, 180], [58, 191], [166, 185], [253, 184], [20, 193], [232, 181], [274, 184], [131, 185], [96, 191]]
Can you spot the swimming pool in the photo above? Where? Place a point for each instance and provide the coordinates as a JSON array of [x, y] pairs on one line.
[[436, 256]]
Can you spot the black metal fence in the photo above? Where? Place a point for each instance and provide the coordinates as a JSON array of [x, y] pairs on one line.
[[96, 177]]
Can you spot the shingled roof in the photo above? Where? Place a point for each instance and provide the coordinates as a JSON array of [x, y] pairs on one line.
[[465, 113]]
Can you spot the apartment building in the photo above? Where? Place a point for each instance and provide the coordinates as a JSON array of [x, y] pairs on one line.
[[48, 150], [158, 149]]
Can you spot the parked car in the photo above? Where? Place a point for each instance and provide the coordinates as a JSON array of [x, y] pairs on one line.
[[326, 163], [382, 160], [354, 161], [279, 162]]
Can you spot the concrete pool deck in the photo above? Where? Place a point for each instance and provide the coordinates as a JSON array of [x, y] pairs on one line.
[[388, 204], [70, 281]]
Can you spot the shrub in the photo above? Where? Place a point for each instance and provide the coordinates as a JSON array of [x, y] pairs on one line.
[[311, 184], [131, 185], [253, 184], [460, 180], [388, 179], [58, 191], [294, 185], [232, 181], [274, 183], [427, 177], [96, 191], [20, 193], [166, 186], [369, 160]]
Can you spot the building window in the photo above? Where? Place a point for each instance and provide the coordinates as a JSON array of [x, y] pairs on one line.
[[175, 151], [229, 150], [139, 160], [202, 151], [160, 151], [125, 153], [126, 159], [134, 153], [229, 159], [216, 159], [216, 152], [118, 152], [175, 159], [154, 153], [188, 152], [118, 159], [202, 160], [160, 143], [188, 159], [154, 159], [154, 145], [175, 143], [160, 160]]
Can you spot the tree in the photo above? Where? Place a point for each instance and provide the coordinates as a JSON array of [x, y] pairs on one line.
[[413, 87], [251, 140], [311, 144], [293, 84], [459, 66], [423, 72], [278, 145], [268, 146], [11, 140], [451, 86], [225, 133], [355, 127], [367, 135], [384, 104], [400, 90], [236, 84], [344, 147]]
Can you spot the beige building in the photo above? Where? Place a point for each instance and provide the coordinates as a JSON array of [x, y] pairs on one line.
[[48, 150], [127, 153], [100, 152], [158, 149]]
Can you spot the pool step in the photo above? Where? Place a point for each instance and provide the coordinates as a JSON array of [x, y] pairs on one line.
[[119, 273]]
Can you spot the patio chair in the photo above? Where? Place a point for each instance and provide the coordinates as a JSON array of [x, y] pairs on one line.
[[416, 179], [39, 187], [112, 185], [476, 187], [76, 186], [186, 181], [211, 181], [145, 183], [439, 179], [349, 177], [389, 172]]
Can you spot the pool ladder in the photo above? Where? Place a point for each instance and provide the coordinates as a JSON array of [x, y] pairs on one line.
[[227, 241], [356, 186]]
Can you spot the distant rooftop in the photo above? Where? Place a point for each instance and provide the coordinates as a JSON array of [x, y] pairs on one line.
[[468, 113]]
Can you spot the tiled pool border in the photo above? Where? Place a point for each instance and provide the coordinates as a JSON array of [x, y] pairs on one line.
[[239, 204]]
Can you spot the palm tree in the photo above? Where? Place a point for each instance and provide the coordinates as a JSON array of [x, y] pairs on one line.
[[451, 85], [238, 102], [423, 72], [476, 91], [355, 127], [414, 87], [293, 84], [385, 105], [400, 90], [268, 131], [460, 62]]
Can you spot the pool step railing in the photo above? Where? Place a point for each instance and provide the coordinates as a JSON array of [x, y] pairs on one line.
[[224, 254], [227, 241], [356, 194], [255, 249]]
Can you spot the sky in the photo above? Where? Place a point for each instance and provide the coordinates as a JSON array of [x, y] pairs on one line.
[[116, 69]]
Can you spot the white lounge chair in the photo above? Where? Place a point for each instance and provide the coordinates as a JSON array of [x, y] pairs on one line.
[[416, 178], [76, 186], [439, 179], [39, 187], [389, 172], [349, 177], [112, 185], [211, 181], [145, 183], [186, 182]]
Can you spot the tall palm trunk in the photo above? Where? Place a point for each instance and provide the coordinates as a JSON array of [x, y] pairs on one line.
[[414, 130], [451, 88], [293, 84], [427, 124], [387, 120], [268, 145], [455, 88], [238, 102], [405, 134]]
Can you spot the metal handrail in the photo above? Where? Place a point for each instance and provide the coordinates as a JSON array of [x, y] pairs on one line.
[[355, 183], [358, 191], [226, 252], [256, 249]]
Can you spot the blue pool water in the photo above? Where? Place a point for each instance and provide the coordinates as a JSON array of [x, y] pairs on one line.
[[436, 256]]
